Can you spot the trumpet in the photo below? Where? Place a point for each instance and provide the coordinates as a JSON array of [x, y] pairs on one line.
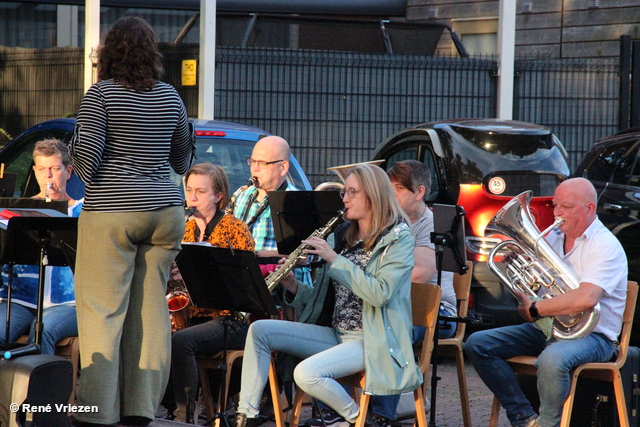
[[299, 253]]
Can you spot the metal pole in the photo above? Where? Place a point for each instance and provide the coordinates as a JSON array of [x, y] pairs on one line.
[[91, 38], [635, 85], [625, 85], [506, 52], [207, 66]]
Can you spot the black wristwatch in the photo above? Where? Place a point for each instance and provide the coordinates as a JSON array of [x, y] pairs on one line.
[[533, 311]]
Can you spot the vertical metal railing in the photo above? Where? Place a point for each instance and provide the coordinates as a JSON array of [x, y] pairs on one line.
[[577, 99]]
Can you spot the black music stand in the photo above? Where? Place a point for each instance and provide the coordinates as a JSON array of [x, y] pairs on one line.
[[42, 237], [8, 184], [448, 237], [297, 214], [225, 279]]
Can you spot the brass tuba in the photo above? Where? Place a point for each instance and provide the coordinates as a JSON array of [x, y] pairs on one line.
[[536, 269]]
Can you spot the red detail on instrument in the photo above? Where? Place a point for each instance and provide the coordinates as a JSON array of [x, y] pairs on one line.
[[178, 302], [210, 133], [7, 214]]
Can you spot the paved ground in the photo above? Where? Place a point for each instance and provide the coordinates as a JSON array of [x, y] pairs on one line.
[[448, 412]]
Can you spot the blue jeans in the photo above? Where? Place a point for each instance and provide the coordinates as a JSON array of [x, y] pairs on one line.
[[204, 339], [326, 353], [59, 323], [387, 406], [487, 351]]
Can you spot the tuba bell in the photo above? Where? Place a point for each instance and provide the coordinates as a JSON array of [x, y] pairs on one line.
[[342, 172], [535, 268]]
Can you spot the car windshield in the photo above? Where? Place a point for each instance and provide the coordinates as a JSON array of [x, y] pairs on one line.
[[226, 152], [520, 145], [232, 155]]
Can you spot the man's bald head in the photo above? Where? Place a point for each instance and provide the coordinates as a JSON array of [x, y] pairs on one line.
[[276, 146], [582, 189], [275, 152], [575, 202]]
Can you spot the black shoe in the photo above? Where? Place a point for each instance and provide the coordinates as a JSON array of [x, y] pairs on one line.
[[135, 421], [76, 423], [331, 419], [380, 421]]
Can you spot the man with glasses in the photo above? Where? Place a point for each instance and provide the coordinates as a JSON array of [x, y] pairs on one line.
[[269, 164]]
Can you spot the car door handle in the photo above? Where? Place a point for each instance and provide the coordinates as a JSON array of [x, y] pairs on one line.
[[612, 207]]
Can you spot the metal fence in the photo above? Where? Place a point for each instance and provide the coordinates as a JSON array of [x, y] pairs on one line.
[[579, 100], [334, 107], [37, 85]]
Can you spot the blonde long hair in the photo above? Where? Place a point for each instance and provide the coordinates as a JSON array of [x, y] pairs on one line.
[[386, 210]]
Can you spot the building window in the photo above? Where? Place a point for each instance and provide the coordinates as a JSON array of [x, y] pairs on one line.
[[479, 35]]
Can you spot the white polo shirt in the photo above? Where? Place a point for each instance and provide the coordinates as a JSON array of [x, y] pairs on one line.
[[598, 257]]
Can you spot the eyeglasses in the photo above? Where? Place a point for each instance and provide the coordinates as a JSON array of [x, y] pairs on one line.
[[351, 192], [261, 163]]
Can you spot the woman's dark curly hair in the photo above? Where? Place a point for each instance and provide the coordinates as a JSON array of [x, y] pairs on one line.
[[130, 55]]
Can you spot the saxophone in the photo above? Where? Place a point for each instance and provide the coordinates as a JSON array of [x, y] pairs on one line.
[[232, 203], [299, 253]]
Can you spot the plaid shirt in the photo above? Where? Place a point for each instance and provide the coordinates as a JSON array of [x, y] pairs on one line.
[[248, 209]]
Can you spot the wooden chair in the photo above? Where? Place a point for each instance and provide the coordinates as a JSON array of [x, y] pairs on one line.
[[425, 302], [452, 347], [607, 371], [205, 363], [234, 360], [70, 348]]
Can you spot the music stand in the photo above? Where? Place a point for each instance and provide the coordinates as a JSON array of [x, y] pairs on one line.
[[297, 214], [42, 237], [225, 279], [7, 184], [448, 237]]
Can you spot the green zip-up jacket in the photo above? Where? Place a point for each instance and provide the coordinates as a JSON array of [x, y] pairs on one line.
[[385, 289]]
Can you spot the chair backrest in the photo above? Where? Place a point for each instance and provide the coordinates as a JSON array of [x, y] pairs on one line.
[[425, 304], [627, 322], [462, 287]]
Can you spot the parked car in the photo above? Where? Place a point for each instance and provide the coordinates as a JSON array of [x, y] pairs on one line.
[[481, 164], [613, 166], [223, 143]]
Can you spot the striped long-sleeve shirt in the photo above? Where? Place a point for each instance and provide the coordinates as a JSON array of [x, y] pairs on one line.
[[125, 143]]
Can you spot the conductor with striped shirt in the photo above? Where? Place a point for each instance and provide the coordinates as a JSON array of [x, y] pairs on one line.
[[131, 130]]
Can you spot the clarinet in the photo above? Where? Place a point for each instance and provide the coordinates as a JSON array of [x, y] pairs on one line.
[[299, 253], [232, 203]]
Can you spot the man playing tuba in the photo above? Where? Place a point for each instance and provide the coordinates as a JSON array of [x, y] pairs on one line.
[[600, 263]]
